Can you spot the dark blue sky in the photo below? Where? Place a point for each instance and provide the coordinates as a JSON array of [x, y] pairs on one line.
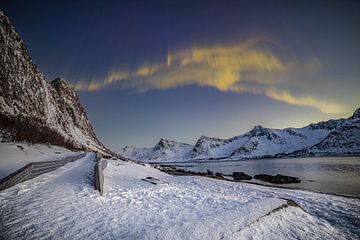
[[197, 67]]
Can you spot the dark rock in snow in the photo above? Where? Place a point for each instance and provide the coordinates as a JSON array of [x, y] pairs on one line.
[[241, 176], [219, 175], [278, 179]]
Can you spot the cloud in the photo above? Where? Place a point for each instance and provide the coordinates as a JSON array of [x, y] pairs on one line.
[[249, 66]]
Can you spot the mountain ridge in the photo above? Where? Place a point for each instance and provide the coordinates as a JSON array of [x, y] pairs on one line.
[[326, 138]]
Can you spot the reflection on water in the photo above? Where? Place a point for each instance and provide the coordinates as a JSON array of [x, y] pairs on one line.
[[339, 175]]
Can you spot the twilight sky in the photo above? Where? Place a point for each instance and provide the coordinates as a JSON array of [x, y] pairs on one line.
[[182, 69]]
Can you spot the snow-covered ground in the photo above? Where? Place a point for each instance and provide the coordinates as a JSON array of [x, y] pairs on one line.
[[14, 156], [64, 205]]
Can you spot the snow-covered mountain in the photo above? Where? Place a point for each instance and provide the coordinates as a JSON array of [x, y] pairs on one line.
[[34, 109], [164, 150], [343, 139], [329, 138]]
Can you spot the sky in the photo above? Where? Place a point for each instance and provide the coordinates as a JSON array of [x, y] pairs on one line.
[[146, 70]]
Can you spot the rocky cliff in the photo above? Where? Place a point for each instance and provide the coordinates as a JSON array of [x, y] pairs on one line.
[[33, 109]]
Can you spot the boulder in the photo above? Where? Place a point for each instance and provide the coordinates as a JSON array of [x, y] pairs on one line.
[[241, 176], [278, 179], [219, 175]]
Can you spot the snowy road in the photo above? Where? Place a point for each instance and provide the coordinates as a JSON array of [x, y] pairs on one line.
[[46, 206], [64, 205]]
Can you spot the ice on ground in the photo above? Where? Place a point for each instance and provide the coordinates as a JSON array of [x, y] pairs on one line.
[[63, 204], [14, 156]]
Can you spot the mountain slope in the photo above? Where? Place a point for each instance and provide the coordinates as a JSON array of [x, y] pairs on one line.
[[344, 139], [33, 109], [164, 150], [267, 142], [329, 138]]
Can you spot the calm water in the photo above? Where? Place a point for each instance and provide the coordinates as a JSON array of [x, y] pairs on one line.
[[339, 175]]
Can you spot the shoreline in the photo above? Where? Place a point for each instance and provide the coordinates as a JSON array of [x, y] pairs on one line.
[[296, 189], [243, 160], [191, 174]]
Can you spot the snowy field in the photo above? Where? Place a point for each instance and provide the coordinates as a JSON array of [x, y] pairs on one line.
[[14, 156], [64, 205]]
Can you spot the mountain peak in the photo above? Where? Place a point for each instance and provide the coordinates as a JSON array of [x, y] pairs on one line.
[[356, 113], [258, 127], [259, 131], [59, 80], [60, 85], [163, 144], [202, 137], [163, 141]]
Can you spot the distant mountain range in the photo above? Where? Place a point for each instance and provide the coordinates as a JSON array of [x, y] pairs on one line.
[[330, 138], [33, 109]]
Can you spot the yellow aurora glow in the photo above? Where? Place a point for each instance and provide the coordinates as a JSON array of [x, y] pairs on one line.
[[243, 67]]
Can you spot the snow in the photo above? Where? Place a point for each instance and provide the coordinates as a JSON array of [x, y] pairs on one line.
[[285, 225], [64, 205], [17, 155]]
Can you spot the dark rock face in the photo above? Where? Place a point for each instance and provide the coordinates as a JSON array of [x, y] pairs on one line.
[[294, 133], [356, 114], [20, 78], [278, 179], [204, 144], [328, 125], [25, 96], [166, 144], [259, 131], [241, 176], [162, 144], [69, 105], [344, 137], [343, 140], [246, 148]]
